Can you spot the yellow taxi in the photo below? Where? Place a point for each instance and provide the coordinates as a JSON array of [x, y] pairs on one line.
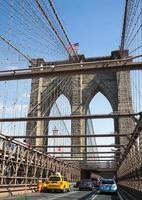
[[57, 183]]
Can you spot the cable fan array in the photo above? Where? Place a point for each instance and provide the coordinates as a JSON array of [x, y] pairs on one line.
[[132, 40], [25, 35]]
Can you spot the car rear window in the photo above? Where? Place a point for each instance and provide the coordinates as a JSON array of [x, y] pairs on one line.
[[85, 181], [54, 178], [107, 182]]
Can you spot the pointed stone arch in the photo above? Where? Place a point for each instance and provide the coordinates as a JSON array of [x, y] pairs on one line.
[[57, 106], [99, 104], [97, 84], [58, 92], [105, 108]]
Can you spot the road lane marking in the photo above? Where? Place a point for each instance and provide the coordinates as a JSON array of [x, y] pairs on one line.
[[63, 195], [95, 197], [119, 195]]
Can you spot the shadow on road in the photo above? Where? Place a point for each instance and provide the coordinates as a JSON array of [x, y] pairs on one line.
[[88, 196], [112, 196]]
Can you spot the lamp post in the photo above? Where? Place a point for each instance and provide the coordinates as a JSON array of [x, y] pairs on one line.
[[55, 132]]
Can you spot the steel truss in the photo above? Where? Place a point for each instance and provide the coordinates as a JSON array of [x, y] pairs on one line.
[[75, 68], [98, 152], [21, 165], [75, 117], [78, 146], [72, 136], [129, 169]]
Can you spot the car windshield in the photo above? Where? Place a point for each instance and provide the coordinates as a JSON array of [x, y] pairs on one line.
[[107, 182], [54, 178]]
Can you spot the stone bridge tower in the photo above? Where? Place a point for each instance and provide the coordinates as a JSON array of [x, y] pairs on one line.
[[115, 86]]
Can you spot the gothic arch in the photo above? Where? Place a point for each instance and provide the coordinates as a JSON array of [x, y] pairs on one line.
[[49, 111], [66, 129], [60, 92], [108, 93], [96, 127]]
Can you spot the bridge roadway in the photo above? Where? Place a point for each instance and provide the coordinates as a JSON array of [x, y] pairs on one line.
[[73, 195]]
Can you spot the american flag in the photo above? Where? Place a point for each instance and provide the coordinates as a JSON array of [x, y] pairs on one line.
[[74, 46]]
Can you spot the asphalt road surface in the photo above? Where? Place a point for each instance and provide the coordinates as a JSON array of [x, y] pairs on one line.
[[74, 195], [105, 197]]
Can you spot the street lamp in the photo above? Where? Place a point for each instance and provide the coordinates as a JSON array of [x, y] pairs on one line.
[[55, 132]]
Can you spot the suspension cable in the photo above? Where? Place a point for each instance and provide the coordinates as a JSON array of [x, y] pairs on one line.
[[60, 23], [52, 26]]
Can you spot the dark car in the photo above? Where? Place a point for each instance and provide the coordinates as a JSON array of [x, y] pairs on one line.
[[86, 184], [96, 182]]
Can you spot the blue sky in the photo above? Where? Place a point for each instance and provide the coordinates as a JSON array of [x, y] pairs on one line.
[[95, 24]]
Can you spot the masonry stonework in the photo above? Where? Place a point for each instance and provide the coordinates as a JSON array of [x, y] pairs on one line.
[[79, 90]]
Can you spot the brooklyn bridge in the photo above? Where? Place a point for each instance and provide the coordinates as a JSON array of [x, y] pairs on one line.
[[66, 113]]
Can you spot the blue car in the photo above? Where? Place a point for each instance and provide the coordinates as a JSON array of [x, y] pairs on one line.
[[108, 186]]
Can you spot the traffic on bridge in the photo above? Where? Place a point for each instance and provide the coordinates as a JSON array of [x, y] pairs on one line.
[[70, 110]]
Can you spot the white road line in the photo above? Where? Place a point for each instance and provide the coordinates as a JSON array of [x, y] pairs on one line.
[[95, 197], [120, 197], [63, 195]]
